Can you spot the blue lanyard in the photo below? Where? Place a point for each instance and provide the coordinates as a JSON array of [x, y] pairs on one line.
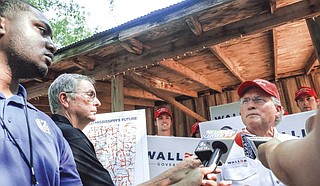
[[24, 157]]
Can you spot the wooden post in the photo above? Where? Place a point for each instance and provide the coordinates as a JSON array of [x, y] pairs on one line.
[[117, 93]]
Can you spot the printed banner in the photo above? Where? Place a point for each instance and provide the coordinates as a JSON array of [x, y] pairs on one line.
[[292, 124], [165, 152]]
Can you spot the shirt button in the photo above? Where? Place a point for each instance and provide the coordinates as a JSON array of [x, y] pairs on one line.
[[9, 120]]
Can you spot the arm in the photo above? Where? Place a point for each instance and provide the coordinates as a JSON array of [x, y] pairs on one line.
[[175, 173], [294, 162], [189, 172]]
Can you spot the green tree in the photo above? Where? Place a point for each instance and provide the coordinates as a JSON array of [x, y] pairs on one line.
[[68, 20]]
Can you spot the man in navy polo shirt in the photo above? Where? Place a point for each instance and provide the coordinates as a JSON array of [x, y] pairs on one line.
[[33, 150]]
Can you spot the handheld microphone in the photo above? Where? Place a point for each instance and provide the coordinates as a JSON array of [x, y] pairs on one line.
[[215, 146], [250, 143]]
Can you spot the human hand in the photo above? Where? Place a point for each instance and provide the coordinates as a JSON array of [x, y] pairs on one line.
[[205, 176]]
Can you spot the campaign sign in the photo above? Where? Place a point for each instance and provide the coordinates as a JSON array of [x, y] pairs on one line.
[[292, 124], [165, 152]]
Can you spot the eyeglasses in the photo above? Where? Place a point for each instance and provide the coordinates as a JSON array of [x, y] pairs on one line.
[[256, 100], [90, 95]]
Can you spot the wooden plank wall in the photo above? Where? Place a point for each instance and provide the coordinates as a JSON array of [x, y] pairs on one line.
[[182, 123]]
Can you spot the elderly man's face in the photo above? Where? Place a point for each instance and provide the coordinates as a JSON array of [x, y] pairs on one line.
[[258, 112]]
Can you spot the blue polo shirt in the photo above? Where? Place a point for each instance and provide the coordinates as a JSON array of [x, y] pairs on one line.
[[52, 157]]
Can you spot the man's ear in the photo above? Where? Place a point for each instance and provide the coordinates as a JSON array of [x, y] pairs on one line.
[[2, 25], [63, 98], [279, 109]]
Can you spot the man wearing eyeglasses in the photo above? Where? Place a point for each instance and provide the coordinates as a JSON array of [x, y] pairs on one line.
[[261, 111], [74, 104]]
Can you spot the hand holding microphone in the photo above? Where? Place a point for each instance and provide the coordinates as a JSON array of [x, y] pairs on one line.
[[215, 146]]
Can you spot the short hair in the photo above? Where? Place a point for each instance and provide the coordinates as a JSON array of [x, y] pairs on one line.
[[64, 83], [8, 8], [277, 102]]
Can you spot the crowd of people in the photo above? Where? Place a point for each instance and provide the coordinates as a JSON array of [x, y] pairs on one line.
[[55, 151]]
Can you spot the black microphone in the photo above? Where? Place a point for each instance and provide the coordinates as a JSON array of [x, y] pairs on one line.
[[215, 146], [250, 144]]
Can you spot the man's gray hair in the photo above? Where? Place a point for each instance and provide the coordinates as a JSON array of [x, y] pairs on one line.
[[64, 83], [277, 102]]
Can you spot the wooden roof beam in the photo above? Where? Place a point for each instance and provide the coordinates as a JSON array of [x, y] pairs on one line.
[[251, 25], [127, 92], [311, 64], [84, 63], [216, 50], [133, 45], [105, 98], [161, 85], [273, 8], [145, 84], [38, 90], [187, 72], [275, 53], [194, 25], [314, 30]]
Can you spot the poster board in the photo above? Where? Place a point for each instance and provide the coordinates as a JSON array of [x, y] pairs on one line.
[[120, 141], [224, 111], [292, 124], [165, 152]]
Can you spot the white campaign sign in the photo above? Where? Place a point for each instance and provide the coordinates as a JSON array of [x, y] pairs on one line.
[[292, 124], [166, 152], [225, 111]]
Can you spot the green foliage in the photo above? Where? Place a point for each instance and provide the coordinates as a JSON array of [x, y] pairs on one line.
[[68, 20]]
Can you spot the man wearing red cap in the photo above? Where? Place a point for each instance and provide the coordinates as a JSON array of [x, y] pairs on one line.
[[306, 99], [163, 121], [261, 111]]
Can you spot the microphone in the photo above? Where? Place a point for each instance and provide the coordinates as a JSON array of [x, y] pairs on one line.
[[250, 143], [215, 146]]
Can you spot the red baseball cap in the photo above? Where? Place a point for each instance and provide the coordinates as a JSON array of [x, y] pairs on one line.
[[265, 85], [161, 111], [305, 91], [194, 127]]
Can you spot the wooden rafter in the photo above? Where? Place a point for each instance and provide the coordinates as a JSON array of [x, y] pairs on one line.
[[38, 90], [162, 85], [274, 36], [311, 63], [194, 25], [314, 30], [216, 50], [187, 72], [106, 98], [84, 63], [252, 25], [133, 45], [144, 84], [127, 92], [275, 52]]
